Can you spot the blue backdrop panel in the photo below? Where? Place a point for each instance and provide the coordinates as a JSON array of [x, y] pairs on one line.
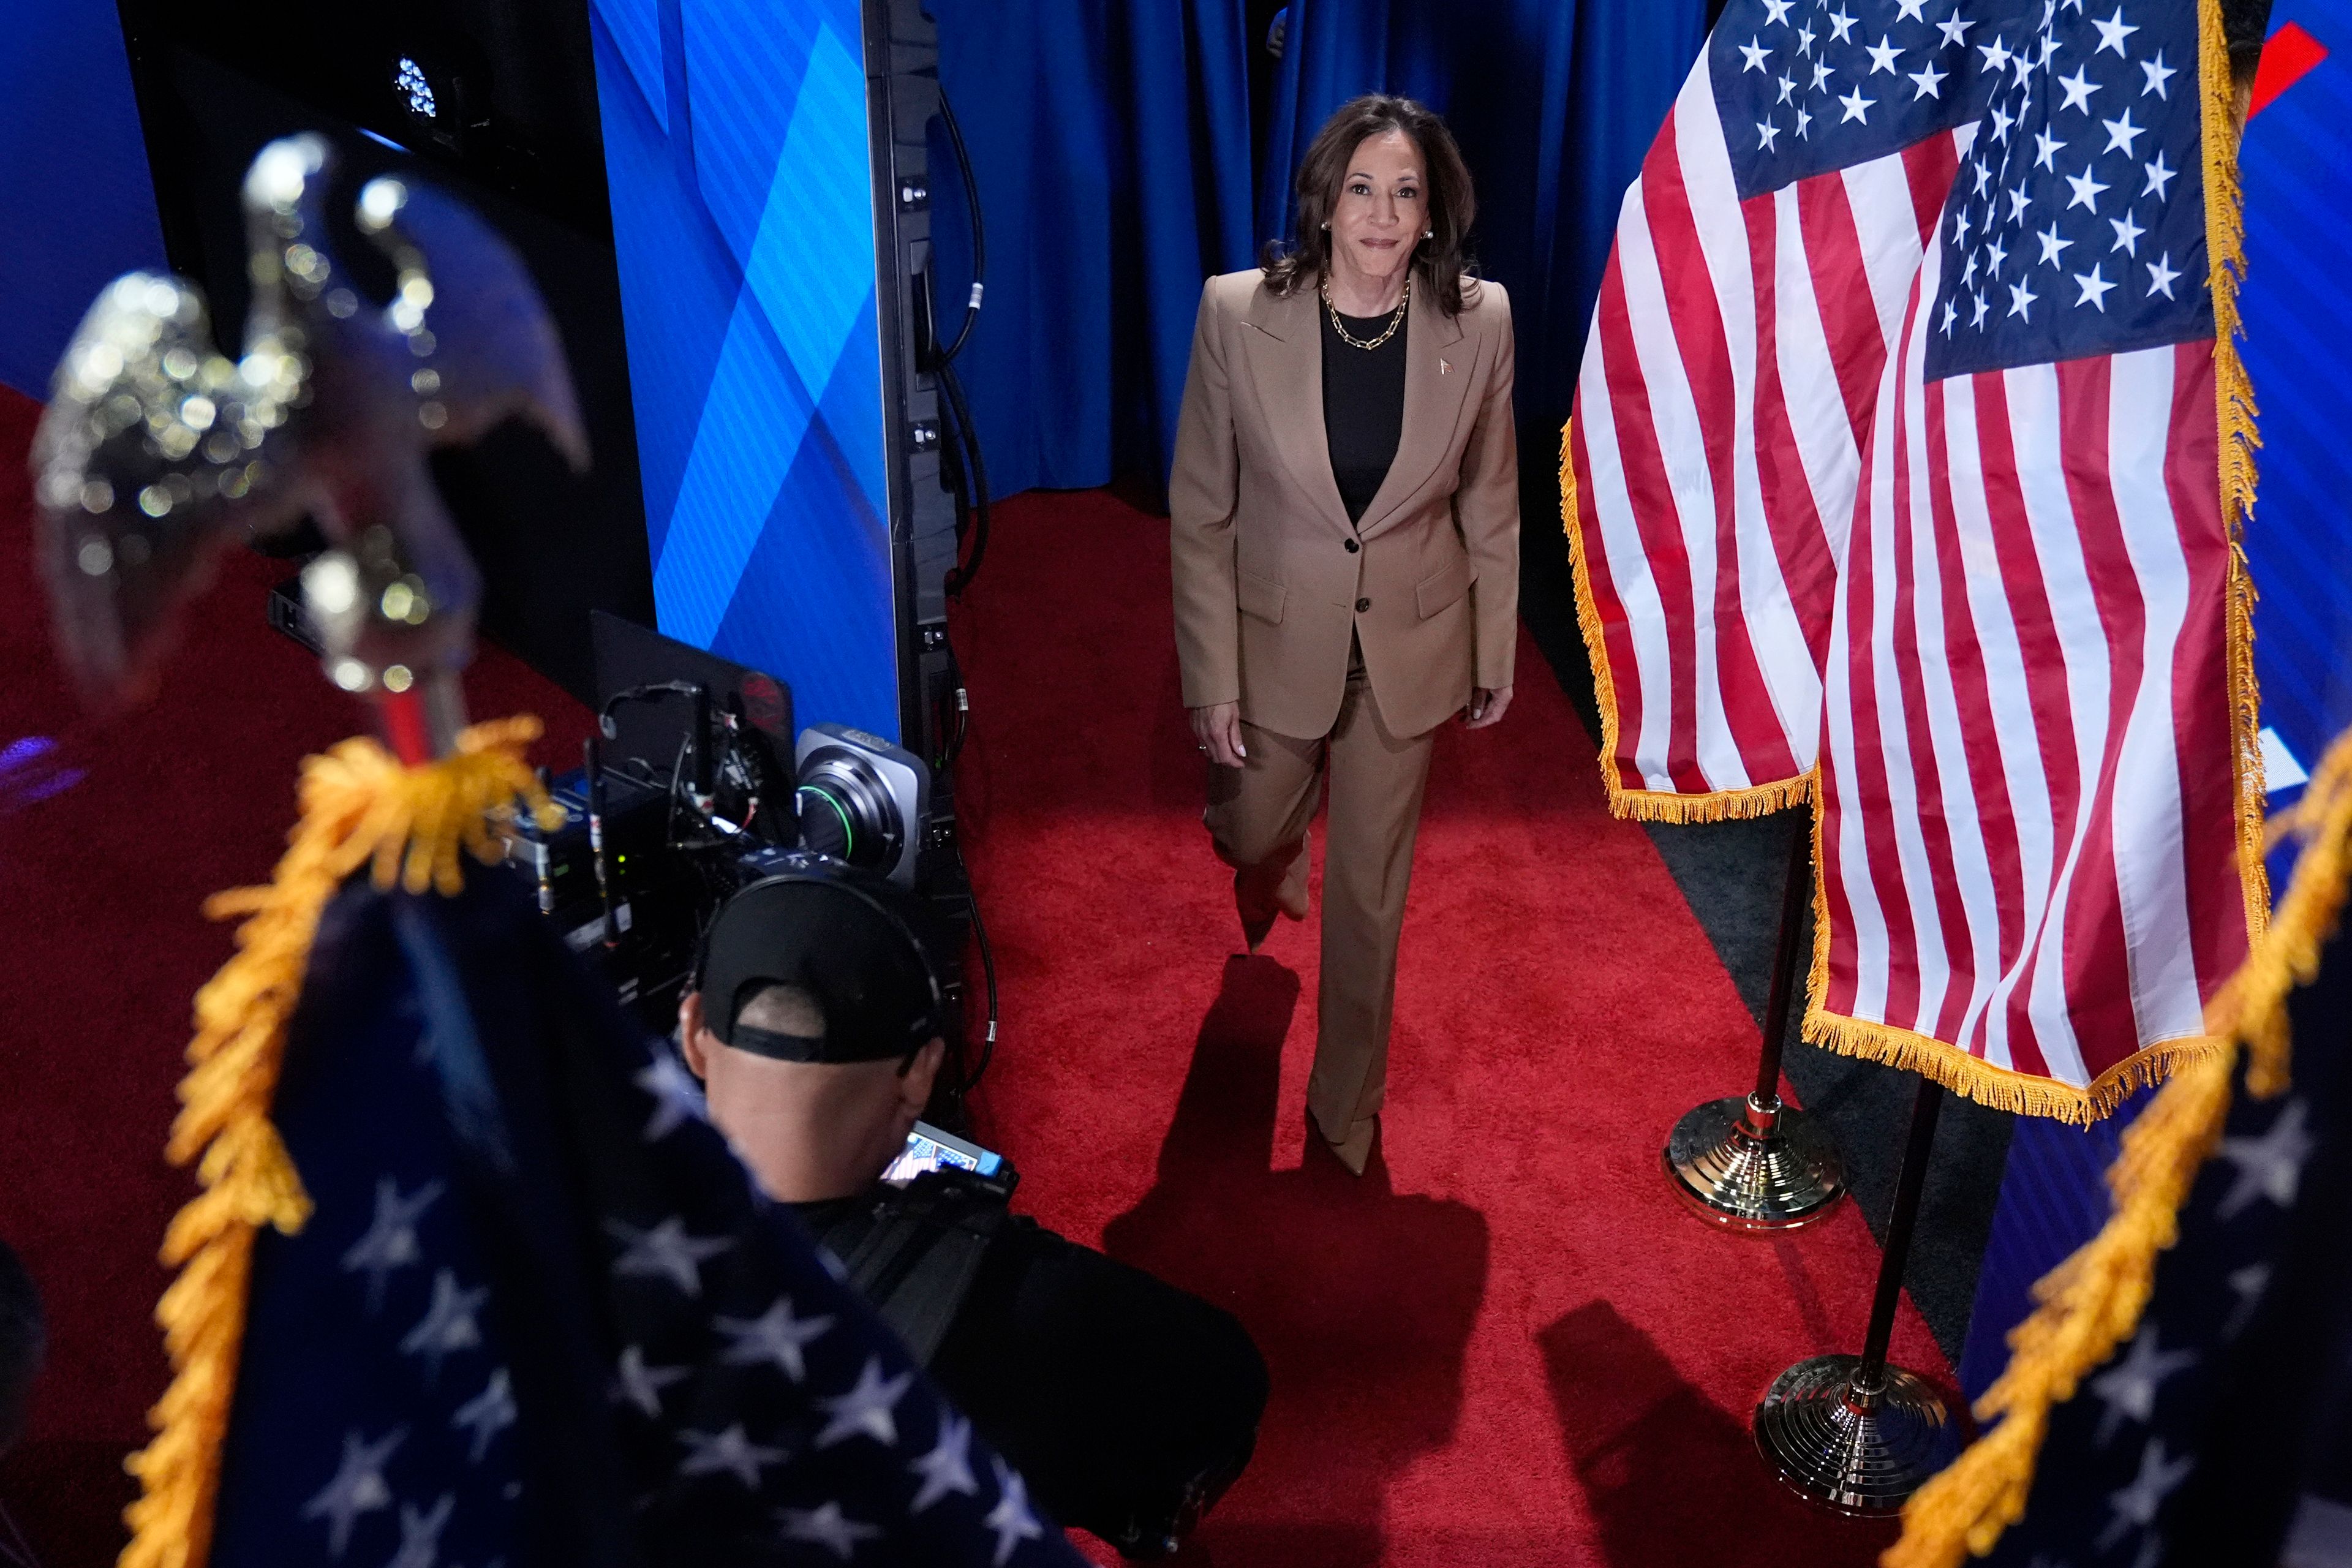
[[2298, 168], [2053, 1198], [735, 145], [76, 206], [1554, 103], [1111, 144]]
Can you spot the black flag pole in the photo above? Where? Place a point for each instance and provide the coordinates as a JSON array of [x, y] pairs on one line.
[[1758, 1164], [1853, 1433]]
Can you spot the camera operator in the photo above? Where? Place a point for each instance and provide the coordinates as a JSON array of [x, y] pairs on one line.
[[1129, 1404]]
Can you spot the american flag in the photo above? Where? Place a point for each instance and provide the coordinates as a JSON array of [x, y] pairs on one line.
[[541, 1316], [2219, 1430], [1763, 259], [1895, 460]]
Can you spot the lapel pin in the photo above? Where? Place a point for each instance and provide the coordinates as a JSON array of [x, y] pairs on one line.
[[1444, 368]]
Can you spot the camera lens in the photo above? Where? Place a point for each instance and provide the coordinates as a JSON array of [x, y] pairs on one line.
[[847, 811]]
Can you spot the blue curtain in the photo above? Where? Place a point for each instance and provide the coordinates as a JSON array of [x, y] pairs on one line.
[[1112, 141], [1112, 146], [1554, 103]]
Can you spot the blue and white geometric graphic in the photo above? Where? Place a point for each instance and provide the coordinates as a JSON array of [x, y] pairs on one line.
[[735, 148], [2298, 168]]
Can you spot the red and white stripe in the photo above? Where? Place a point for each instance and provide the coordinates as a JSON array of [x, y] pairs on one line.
[[2027, 829], [1729, 379]]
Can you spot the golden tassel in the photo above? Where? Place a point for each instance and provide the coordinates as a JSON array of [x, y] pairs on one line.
[[2234, 411], [358, 807], [2000, 1087]]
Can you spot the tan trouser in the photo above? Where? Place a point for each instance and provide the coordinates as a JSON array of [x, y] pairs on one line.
[[1258, 814]]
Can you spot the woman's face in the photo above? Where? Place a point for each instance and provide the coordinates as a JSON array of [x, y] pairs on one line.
[[1383, 206]]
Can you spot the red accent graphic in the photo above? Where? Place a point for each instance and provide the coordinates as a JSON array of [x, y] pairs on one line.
[[2288, 56]]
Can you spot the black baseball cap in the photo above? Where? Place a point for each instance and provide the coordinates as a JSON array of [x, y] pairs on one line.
[[852, 940]]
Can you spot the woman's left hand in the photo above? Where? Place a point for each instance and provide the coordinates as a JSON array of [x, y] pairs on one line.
[[1487, 705]]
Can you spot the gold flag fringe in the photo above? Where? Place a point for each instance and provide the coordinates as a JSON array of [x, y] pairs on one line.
[[2234, 398], [1973, 1077], [358, 807], [2092, 1302], [2020, 1094], [1647, 805]]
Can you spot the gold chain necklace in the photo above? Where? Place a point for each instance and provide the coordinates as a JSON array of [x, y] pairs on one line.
[[1340, 327]]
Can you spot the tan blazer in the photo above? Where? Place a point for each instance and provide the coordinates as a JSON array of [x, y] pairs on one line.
[[1267, 587]]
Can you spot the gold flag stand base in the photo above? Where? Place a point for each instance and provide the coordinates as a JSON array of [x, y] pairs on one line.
[[1856, 1449], [1757, 1164], [1748, 1165], [1851, 1433]]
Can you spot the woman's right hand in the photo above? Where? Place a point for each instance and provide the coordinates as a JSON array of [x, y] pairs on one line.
[[1217, 729]]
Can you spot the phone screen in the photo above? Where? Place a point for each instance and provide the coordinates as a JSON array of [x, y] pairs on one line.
[[928, 1148]]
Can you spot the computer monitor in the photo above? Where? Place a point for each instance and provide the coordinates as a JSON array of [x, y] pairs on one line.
[[628, 655]]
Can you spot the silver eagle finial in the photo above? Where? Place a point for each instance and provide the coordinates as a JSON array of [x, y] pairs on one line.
[[158, 450]]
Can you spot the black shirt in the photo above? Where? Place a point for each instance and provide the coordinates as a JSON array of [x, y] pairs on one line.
[[1363, 406]]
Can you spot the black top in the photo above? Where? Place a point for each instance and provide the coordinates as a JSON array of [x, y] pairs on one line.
[[1363, 406]]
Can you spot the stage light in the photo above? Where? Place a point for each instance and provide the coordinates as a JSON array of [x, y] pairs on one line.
[[409, 79]]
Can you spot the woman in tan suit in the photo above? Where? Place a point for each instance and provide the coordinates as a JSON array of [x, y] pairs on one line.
[[1345, 527]]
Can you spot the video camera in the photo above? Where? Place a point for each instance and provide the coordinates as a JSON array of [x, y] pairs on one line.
[[686, 795]]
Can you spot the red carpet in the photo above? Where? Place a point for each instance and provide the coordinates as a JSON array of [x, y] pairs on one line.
[[1506, 1346], [1509, 1346]]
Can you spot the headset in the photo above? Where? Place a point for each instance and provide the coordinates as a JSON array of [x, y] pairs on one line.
[[822, 871]]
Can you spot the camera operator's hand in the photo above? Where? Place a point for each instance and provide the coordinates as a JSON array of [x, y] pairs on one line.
[[1217, 729]]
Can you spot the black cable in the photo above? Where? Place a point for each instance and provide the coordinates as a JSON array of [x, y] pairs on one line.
[[639, 770], [677, 784], [962, 729], [955, 474], [959, 579], [966, 475], [953, 477], [979, 231], [988, 963], [648, 693], [952, 474]]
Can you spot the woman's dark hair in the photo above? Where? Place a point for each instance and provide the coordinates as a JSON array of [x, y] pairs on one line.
[[1438, 261], [2244, 25]]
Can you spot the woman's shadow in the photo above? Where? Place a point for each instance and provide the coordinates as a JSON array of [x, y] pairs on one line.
[[1361, 1298]]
